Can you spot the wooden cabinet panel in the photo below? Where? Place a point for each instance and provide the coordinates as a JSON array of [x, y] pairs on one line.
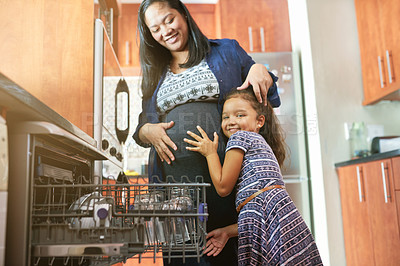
[[382, 212], [370, 213], [378, 31], [372, 63], [271, 15], [397, 194], [396, 172], [205, 17], [47, 48], [389, 18], [355, 214], [128, 42]]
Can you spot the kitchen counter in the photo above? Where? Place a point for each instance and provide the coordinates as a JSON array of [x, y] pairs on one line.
[[23, 106], [373, 157]]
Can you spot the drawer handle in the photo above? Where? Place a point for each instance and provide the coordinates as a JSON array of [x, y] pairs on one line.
[[360, 195], [380, 71], [127, 53], [385, 192]]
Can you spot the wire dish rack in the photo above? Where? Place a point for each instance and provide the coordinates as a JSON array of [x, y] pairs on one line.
[[78, 223]]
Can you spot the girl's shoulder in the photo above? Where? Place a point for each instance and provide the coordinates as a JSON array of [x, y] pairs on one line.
[[248, 134], [244, 140], [245, 136]]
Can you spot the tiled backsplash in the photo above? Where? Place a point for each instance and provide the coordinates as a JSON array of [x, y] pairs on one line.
[[135, 155]]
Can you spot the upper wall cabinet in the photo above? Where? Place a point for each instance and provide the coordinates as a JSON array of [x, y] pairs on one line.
[[47, 49], [378, 30], [258, 25], [128, 37]]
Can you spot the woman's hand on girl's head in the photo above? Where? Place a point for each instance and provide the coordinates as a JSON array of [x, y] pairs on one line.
[[261, 81], [156, 135], [202, 144]]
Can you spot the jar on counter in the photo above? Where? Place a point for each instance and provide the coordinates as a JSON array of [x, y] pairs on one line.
[[359, 140]]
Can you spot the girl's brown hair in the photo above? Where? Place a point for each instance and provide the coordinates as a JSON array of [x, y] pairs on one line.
[[271, 130]]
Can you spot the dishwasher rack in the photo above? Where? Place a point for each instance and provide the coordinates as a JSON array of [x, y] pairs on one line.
[[75, 222]]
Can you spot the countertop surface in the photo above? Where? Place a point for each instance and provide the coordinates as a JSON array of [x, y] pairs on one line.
[[373, 157], [23, 106]]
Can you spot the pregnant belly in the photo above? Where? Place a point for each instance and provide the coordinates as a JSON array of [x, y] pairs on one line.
[[187, 117]]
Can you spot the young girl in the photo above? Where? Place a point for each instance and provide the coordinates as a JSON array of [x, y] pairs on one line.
[[271, 230]]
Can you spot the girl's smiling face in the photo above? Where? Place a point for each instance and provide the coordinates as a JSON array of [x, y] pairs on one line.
[[238, 114], [167, 26]]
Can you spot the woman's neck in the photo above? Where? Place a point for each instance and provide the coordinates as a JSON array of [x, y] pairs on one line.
[[178, 58]]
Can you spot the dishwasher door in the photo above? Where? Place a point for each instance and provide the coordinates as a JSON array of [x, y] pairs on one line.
[[57, 214]]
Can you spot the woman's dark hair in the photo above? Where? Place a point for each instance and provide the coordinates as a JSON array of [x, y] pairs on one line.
[[271, 130], [154, 57]]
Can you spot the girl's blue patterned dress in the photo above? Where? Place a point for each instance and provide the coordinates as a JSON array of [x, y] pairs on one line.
[[271, 230]]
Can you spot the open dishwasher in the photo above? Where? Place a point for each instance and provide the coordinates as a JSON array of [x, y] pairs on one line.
[[60, 213]]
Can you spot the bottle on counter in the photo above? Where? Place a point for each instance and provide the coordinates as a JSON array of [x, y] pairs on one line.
[[358, 140]]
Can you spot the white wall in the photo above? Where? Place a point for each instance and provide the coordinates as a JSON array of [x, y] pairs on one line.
[[325, 33]]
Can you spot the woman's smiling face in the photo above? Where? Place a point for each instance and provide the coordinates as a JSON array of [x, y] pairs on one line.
[[167, 26], [238, 114]]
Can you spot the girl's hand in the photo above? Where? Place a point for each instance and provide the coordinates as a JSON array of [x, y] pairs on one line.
[[203, 144], [261, 81], [156, 135], [216, 242]]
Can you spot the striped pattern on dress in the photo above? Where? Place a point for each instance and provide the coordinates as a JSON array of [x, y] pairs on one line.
[[271, 230]]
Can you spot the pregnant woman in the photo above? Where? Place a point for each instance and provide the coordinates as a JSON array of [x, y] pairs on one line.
[[185, 77]]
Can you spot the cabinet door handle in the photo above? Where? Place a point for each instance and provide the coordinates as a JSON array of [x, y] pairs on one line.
[[389, 66], [385, 192], [127, 53], [250, 39], [110, 24], [360, 195], [380, 71], [262, 39]]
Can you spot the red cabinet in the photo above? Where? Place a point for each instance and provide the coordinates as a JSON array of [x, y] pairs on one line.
[[267, 19], [47, 49], [378, 32], [370, 213], [356, 225], [265, 23]]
